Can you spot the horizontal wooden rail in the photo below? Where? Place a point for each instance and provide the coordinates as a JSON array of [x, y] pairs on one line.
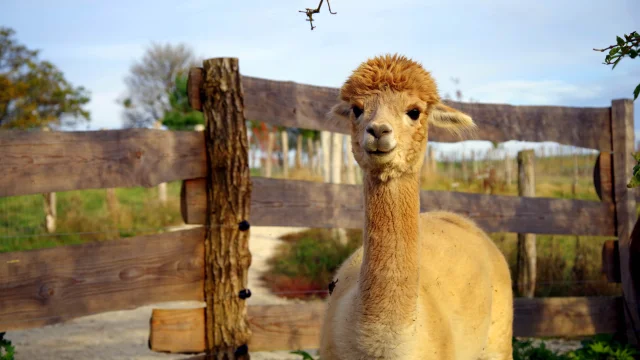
[[310, 204], [44, 287], [298, 105], [297, 326], [40, 162]]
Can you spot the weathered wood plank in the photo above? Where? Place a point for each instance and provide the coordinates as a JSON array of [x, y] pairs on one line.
[[41, 162], [273, 327], [310, 204], [49, 286], [623, 144], [298, 105], [571, 316], [293, 327], [177, 330]]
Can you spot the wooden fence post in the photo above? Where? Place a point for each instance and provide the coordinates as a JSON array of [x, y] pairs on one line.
[[622, 141], [227, 256], [351, 167], [325, 138], [50, 211], [284, 139], [526, 270], [268, 165], [162, 187]]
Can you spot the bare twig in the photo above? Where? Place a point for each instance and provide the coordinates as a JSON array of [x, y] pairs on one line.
[[310, 12]]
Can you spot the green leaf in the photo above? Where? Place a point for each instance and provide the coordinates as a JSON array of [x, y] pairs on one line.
[[616, 63], [305, 355], [636, 92], [614, 51], [633, 53], [620, 40]]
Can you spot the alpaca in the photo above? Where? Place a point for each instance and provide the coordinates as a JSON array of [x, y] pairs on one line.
[[423, 285]]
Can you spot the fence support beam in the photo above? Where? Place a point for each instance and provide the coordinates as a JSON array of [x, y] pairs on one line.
[[622, 142], [227, 256], [526, 277]]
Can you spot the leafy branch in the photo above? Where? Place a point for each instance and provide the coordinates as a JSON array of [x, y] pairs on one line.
[[629, 46], [310, 12]]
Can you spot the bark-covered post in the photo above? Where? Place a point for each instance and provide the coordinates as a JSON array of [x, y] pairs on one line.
[[526, 270], [622, 141], [227, 256]]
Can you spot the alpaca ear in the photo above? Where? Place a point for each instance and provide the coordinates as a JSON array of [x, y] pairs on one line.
[[339, 112], [449, 118]]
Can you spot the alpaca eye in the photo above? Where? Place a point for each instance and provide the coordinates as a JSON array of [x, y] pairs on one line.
[[414, 114], [357, 111]]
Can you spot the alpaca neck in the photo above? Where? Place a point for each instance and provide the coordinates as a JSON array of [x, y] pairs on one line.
[[388, 284]]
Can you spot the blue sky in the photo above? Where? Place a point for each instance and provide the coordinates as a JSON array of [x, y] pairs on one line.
[[503, 51]]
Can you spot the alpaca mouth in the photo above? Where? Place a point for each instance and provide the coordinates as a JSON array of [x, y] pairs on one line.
[[377, 152]]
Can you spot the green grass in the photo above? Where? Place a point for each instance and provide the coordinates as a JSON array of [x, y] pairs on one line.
[[600, 347], [83, 216]]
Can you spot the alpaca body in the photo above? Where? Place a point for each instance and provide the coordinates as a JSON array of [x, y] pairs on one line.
[[427, 286], [463, 277]]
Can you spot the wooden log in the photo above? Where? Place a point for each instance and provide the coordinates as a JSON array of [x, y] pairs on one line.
[[304, 106], [298, 203], [297, 326], [41, 162], [623, 144], [228, 190], [50, 286], [526, 270]]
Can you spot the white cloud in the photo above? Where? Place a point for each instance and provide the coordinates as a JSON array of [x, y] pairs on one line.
[[105, 112], [542, 92]]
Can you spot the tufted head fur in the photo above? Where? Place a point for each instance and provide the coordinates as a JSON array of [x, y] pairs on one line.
[[389, 101]]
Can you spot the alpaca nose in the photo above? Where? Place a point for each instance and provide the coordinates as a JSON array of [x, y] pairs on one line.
[[379, 130]]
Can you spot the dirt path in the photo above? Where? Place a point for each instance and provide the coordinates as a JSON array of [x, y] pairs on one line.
[[124, 334]]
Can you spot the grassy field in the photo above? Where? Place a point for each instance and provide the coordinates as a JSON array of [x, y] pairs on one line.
[[567, 265]]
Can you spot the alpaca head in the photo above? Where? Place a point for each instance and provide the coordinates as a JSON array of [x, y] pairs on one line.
[[389, 101]]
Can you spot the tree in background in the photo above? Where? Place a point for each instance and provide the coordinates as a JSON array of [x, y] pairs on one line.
[[33, 92], [151, 82], [629, 46], [180, 115]]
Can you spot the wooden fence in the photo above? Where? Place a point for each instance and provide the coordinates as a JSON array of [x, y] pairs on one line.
[[44, 287]]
